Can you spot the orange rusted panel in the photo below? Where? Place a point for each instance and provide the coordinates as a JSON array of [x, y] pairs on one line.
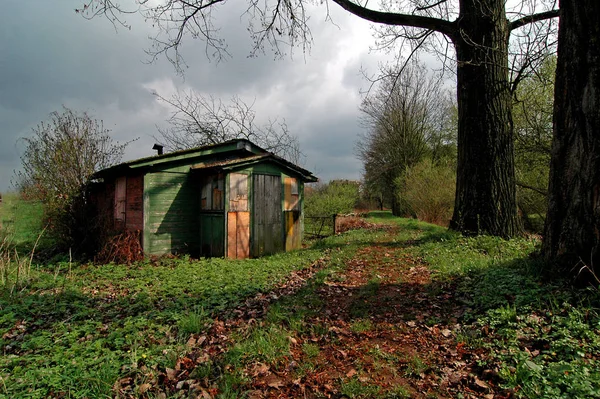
[[232, 235], [292, 230], [238, 235], [291, 197], [243, 235]]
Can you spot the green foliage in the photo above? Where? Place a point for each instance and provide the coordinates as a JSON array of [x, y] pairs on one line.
[[354, 388], [408, 118], [532, 117], [82, 328], [58, 162], [335, 197], [428, 189], [194, 322]]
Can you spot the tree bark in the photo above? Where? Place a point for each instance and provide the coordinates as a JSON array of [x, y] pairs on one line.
[[485, 188], [572, 230]]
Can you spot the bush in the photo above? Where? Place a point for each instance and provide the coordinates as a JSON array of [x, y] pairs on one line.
[[58, 162], [336, 197], [428, 190]]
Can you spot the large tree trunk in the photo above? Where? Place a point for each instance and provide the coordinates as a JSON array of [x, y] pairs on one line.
[[572, 231], [485, 186]]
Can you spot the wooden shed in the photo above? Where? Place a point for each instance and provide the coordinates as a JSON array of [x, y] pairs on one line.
[[232, 199]]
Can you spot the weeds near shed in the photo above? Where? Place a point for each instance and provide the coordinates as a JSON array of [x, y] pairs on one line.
[[15, 270], [124, 248]]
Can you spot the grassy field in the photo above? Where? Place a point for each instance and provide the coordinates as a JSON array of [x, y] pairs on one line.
[[403, 310]]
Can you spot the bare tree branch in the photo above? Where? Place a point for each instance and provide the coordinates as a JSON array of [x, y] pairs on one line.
[[198, 120]]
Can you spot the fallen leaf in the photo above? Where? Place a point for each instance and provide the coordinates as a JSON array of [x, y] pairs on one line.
[[144, 388], [275, 384], [481, 384], [171, 374], [446, 333], [351, 373]]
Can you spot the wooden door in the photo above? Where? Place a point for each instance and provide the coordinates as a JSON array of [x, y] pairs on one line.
[[238, 217], [267, 216]]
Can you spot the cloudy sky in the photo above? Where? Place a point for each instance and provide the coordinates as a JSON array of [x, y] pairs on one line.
[[53, 57]]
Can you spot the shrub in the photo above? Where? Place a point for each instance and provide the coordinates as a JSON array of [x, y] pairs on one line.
[[428, 190], [336, 197]]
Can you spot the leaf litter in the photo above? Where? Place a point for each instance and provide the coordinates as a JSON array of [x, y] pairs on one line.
[[382, 327]]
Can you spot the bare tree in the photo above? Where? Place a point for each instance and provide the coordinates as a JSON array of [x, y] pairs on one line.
[[199, 120], [58, 162], [478, 31], [573, 221], [405, 118]]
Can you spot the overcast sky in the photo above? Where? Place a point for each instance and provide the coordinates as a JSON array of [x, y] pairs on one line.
[[53, 57]]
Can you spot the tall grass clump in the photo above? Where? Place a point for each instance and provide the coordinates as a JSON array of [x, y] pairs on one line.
[[15, 269]]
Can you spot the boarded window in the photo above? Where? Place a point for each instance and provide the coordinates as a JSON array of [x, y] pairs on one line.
[[238, 192], [292, 198], [212, 193], [120, 197]]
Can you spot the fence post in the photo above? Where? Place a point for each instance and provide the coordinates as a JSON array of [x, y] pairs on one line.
[[334, 223]]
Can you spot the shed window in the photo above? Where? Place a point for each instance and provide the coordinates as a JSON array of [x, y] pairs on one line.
[[212, 193], [291, 194], [238, 192], [120, 197]]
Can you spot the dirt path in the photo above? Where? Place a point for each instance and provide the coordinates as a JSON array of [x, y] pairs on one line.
[[388, 326], [382, 329]]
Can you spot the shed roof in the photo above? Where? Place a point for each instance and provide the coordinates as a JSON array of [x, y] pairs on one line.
[[250, 153], [254, 159]]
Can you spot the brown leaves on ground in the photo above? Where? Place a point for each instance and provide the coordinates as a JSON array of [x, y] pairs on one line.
[[383, 328], [123, 248]]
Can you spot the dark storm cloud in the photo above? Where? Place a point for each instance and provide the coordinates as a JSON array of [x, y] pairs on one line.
[[52, 57]]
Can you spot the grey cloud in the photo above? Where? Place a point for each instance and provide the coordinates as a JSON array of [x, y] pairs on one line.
[[53, 57]]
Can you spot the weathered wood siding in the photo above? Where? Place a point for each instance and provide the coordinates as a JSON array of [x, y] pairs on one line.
[[292, 206], [134, 204], [212, 216], [171, 212], [212, 234], [238, 235], [267, 215], [238, 217]]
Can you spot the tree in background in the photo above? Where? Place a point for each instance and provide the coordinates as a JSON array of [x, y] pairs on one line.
[[572, 229], [408, 118], [58, 162], [335, 197], [533, 110], [199, 120], [479, 32]]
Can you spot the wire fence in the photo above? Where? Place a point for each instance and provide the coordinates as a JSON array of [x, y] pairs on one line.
[[319, 226]]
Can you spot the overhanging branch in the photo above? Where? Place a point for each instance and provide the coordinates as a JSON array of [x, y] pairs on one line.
[[533, 18], [390, 18]]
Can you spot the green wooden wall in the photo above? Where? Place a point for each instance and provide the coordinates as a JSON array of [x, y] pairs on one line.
[[171, 212]]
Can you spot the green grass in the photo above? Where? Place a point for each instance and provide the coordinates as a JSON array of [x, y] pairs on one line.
[[21, 219], [76, 331], [73, 330]]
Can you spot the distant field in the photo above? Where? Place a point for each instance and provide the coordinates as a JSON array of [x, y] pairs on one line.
[[21, 219]]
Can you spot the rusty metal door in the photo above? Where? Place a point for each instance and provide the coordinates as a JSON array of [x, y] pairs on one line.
[[267, 215]]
